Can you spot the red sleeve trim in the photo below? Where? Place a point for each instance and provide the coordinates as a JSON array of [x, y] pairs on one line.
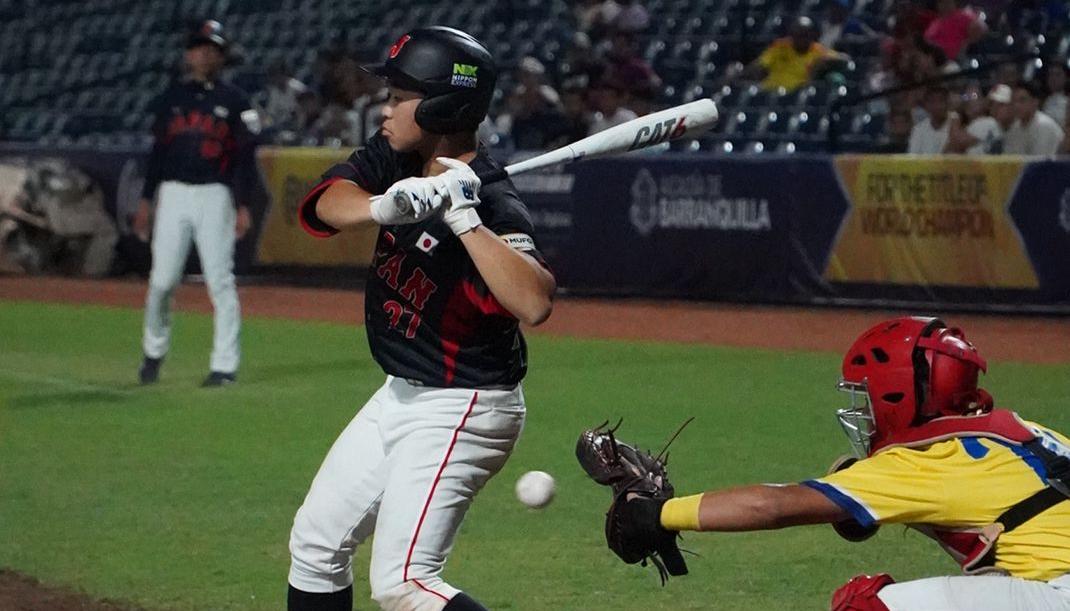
[[307, 216]]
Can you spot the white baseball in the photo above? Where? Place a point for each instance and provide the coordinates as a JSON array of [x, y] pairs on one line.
[[535, 489]]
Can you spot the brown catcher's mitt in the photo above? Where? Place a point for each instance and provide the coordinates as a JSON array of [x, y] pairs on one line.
[[640, 486]]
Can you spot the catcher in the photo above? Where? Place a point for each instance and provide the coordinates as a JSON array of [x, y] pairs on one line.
[[989, 487]]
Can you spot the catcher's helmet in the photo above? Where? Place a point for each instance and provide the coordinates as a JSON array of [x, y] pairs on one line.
[[908, 371], [453, 70], [207, 32]]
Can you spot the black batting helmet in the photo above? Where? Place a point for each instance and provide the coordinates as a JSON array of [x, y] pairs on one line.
[[208, 32], [453, 70]]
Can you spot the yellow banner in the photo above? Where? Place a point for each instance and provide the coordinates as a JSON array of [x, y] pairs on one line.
[[290, 172], [930, 221]]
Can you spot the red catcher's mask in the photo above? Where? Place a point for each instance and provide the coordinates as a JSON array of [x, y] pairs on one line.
[[904, 372]]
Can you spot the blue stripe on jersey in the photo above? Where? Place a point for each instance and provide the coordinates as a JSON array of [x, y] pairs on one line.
[[848, 504], [973, 447], [1034, 463]]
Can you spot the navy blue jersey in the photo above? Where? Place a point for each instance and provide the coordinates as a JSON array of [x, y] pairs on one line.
[[430, 317], [203, 133]]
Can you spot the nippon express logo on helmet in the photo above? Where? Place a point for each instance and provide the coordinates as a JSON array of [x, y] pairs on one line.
[[464, 75]]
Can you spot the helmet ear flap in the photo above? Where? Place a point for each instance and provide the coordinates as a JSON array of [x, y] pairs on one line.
[[448, 113]]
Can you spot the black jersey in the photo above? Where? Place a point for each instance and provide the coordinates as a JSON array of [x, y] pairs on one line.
[[430, 317], [203, 133]]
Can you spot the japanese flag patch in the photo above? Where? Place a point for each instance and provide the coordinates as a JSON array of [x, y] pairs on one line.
[[426, 242]]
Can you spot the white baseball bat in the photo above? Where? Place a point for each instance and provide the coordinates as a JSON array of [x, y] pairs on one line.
[[663, 126], [673, 123]]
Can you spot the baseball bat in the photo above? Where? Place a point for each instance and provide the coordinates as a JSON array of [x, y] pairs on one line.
[[649, 130], [666, 125]]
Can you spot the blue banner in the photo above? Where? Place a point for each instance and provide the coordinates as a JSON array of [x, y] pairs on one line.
[[1040, 208], [701, 226]]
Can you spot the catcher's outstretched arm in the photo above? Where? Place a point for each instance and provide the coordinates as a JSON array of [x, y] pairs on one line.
[[759, 507]]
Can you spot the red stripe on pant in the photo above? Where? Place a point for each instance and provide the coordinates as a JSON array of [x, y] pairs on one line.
[[427, 589], [430, 495]]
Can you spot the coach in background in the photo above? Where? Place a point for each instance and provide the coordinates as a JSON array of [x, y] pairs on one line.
[[202, 160], [1034, 133], [986, 485]]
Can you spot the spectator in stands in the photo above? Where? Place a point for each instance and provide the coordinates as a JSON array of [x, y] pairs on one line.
[[954, 28], [907, 27], [1056, 101], [533, 117], [580, 60], [929, 137], [983, 135], [607, 99], [909, 19], [595, 17], [972, 104], [309, 110], [792, 61], [633, 18], [931, 62], [1033, 133], [839, 23], [577, 116], [899, 125], [349, 115], [1007, 74], [278, 100], [626, 69]]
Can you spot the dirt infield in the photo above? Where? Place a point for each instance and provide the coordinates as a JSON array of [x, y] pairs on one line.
[[1003, 337], [21, 593]]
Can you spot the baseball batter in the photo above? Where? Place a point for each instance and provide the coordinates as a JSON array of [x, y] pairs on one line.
[[989, 487], [202, 155], [455, 270]]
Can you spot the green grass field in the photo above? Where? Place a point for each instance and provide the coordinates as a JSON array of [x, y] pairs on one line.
[[174, 497]]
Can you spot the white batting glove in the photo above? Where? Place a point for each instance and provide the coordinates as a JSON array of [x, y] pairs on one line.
[[409, 200], [460, 186], [462, 220]]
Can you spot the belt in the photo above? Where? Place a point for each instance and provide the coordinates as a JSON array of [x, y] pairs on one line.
[[494, 387]]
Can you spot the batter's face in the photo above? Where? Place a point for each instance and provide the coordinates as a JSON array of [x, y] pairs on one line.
[[399, 120]]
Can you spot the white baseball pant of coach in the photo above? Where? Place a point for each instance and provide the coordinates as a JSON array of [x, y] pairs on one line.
[[977, 593], [203, 214], [405, 470]]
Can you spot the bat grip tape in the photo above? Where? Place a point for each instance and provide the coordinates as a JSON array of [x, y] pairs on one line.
[[492, 176]]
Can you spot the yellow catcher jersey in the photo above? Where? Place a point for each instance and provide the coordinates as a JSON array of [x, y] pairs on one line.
[[964, 482]]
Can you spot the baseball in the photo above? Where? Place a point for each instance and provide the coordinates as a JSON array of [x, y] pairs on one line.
[[535, 489]]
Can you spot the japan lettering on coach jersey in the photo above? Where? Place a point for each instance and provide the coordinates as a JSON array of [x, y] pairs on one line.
[[203, 133], [430, 316]]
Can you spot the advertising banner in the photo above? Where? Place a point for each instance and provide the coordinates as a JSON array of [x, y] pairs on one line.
[[289, 174], [698, 226], [932, 221]]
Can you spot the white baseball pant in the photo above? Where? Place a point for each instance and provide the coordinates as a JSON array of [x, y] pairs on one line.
[[203, 214], [977, 593], [405, 469]]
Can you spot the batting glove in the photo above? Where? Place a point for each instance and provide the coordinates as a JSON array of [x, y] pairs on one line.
[[460, 186], [409, 200]]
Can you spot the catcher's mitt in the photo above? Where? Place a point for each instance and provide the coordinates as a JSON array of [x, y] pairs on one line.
[[640, 486]]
